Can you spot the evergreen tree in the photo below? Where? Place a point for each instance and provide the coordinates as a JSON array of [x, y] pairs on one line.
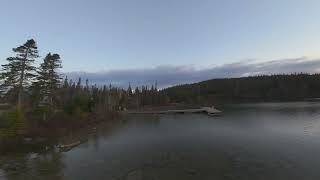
[[65, 82], [18, 72], [87, 85], [49, 79], [79, 83], [129, 91]]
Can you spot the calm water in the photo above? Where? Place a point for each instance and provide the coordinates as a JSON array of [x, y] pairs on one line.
[[251, 141]]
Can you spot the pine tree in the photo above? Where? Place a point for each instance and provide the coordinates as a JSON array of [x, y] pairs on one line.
[[48, 77], [129, 91], [18, 72], [65, 82], [79, 83], [87, 85]]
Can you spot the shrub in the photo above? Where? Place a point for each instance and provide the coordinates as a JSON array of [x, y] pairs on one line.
[[13, 123]]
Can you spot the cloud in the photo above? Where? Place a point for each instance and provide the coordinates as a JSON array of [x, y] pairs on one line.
[[172, 75]]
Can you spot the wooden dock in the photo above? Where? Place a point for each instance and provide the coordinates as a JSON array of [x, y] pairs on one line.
[[207, 110]]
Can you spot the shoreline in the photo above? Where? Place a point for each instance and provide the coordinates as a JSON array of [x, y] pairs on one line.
[[44, 137]]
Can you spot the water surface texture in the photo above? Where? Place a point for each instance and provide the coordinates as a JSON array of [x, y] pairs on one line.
[[249, 141]]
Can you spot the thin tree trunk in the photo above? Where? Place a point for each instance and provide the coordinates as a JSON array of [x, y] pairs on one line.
[[51, 101], [19, 98], [21, 82], [20, 90]]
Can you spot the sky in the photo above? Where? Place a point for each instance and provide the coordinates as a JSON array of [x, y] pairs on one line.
[[156, 40]]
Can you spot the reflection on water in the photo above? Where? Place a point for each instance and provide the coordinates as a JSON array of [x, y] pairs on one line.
[[31, 166], [250, 141]]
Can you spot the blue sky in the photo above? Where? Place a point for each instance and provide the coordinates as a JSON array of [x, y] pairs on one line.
[[114, 35]]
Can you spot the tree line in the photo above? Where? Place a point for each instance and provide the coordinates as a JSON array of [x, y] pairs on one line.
[[37, 97], [40, 96], [262, 88]]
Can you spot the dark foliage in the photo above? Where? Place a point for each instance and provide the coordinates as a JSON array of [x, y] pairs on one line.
[[52, 103], [293, 87]]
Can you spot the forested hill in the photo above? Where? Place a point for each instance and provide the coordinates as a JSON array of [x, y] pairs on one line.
[[293, 87]]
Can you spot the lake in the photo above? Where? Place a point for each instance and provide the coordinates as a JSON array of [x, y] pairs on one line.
[[264, 141]]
